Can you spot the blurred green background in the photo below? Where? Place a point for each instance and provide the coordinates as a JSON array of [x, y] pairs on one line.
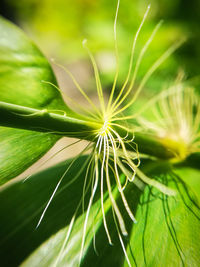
[[59, 26]]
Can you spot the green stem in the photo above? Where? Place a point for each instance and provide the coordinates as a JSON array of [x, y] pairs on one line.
[[21, 117], [26, 118]]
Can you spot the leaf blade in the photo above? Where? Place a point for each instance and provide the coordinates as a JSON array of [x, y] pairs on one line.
[[22, 69]]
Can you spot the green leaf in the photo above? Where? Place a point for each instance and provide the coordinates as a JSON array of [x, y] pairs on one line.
[[24, 202], [71, 252], [19, 149], [191, 177], [167, 233], [22, 69], [96, 248]]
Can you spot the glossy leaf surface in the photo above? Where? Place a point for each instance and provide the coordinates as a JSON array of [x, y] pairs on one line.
[[22, 70], [166, 231]]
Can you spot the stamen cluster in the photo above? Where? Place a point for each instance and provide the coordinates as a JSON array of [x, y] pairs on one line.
[[110, 154]]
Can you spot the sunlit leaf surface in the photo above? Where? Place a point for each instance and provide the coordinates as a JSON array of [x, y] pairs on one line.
[[166, 232], [22, 70]]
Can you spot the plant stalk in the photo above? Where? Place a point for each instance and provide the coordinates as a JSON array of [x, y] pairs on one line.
[[26, 118]]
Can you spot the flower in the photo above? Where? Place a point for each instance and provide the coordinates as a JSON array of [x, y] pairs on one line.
[[175, 120], [112, 152]]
